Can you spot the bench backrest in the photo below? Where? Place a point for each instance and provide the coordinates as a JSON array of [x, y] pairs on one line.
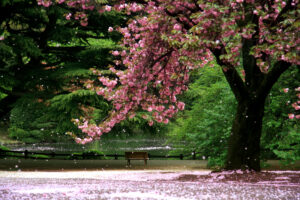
[[136, 155]]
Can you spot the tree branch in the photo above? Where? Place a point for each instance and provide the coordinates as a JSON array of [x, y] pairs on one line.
[[282, 12], [233, 78], [253, 75], [271, 78], [197, 5]]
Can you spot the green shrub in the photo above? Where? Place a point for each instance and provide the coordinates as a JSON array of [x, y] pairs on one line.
[[32, 136]]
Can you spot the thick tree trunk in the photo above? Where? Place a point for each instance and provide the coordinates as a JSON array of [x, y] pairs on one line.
[[244, 142]]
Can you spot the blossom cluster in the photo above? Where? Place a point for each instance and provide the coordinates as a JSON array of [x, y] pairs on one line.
[[79, 5], [295, 105]]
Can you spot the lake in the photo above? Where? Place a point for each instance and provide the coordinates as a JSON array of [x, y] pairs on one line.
[[107, 146]]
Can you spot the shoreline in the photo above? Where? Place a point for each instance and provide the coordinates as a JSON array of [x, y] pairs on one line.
[[92, 165], [66, 165]]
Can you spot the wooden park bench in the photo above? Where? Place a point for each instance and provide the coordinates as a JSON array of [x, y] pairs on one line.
[[136, 156]]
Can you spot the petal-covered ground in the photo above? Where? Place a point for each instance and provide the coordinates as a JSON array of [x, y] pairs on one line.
[[150, 184]]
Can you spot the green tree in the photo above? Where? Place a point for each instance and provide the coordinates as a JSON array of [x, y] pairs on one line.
[[44, 60], [280, 136], [205, 125]]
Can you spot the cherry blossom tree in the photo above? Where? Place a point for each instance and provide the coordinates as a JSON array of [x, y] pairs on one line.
[[253, 41]]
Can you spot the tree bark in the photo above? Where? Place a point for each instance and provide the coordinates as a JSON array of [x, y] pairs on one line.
[[244, 142]]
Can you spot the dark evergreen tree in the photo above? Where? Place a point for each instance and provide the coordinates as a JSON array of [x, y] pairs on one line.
[[45, 59]]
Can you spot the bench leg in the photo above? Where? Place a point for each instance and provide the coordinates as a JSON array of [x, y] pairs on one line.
[[145, 162], [128, 162]]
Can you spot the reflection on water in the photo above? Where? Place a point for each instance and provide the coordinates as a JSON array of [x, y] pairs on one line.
[[154, 146], [48, 147]]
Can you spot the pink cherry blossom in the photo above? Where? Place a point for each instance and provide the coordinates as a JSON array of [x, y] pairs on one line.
[[115, 53], [110, 29], [181, 105], [68, 16], [150, 123], [108, 8], [177, 27], [291, 116]]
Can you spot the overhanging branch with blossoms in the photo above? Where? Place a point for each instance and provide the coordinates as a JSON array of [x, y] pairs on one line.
[[259, 38]]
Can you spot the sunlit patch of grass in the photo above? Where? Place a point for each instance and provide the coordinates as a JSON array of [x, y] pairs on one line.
[[103, 43]]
